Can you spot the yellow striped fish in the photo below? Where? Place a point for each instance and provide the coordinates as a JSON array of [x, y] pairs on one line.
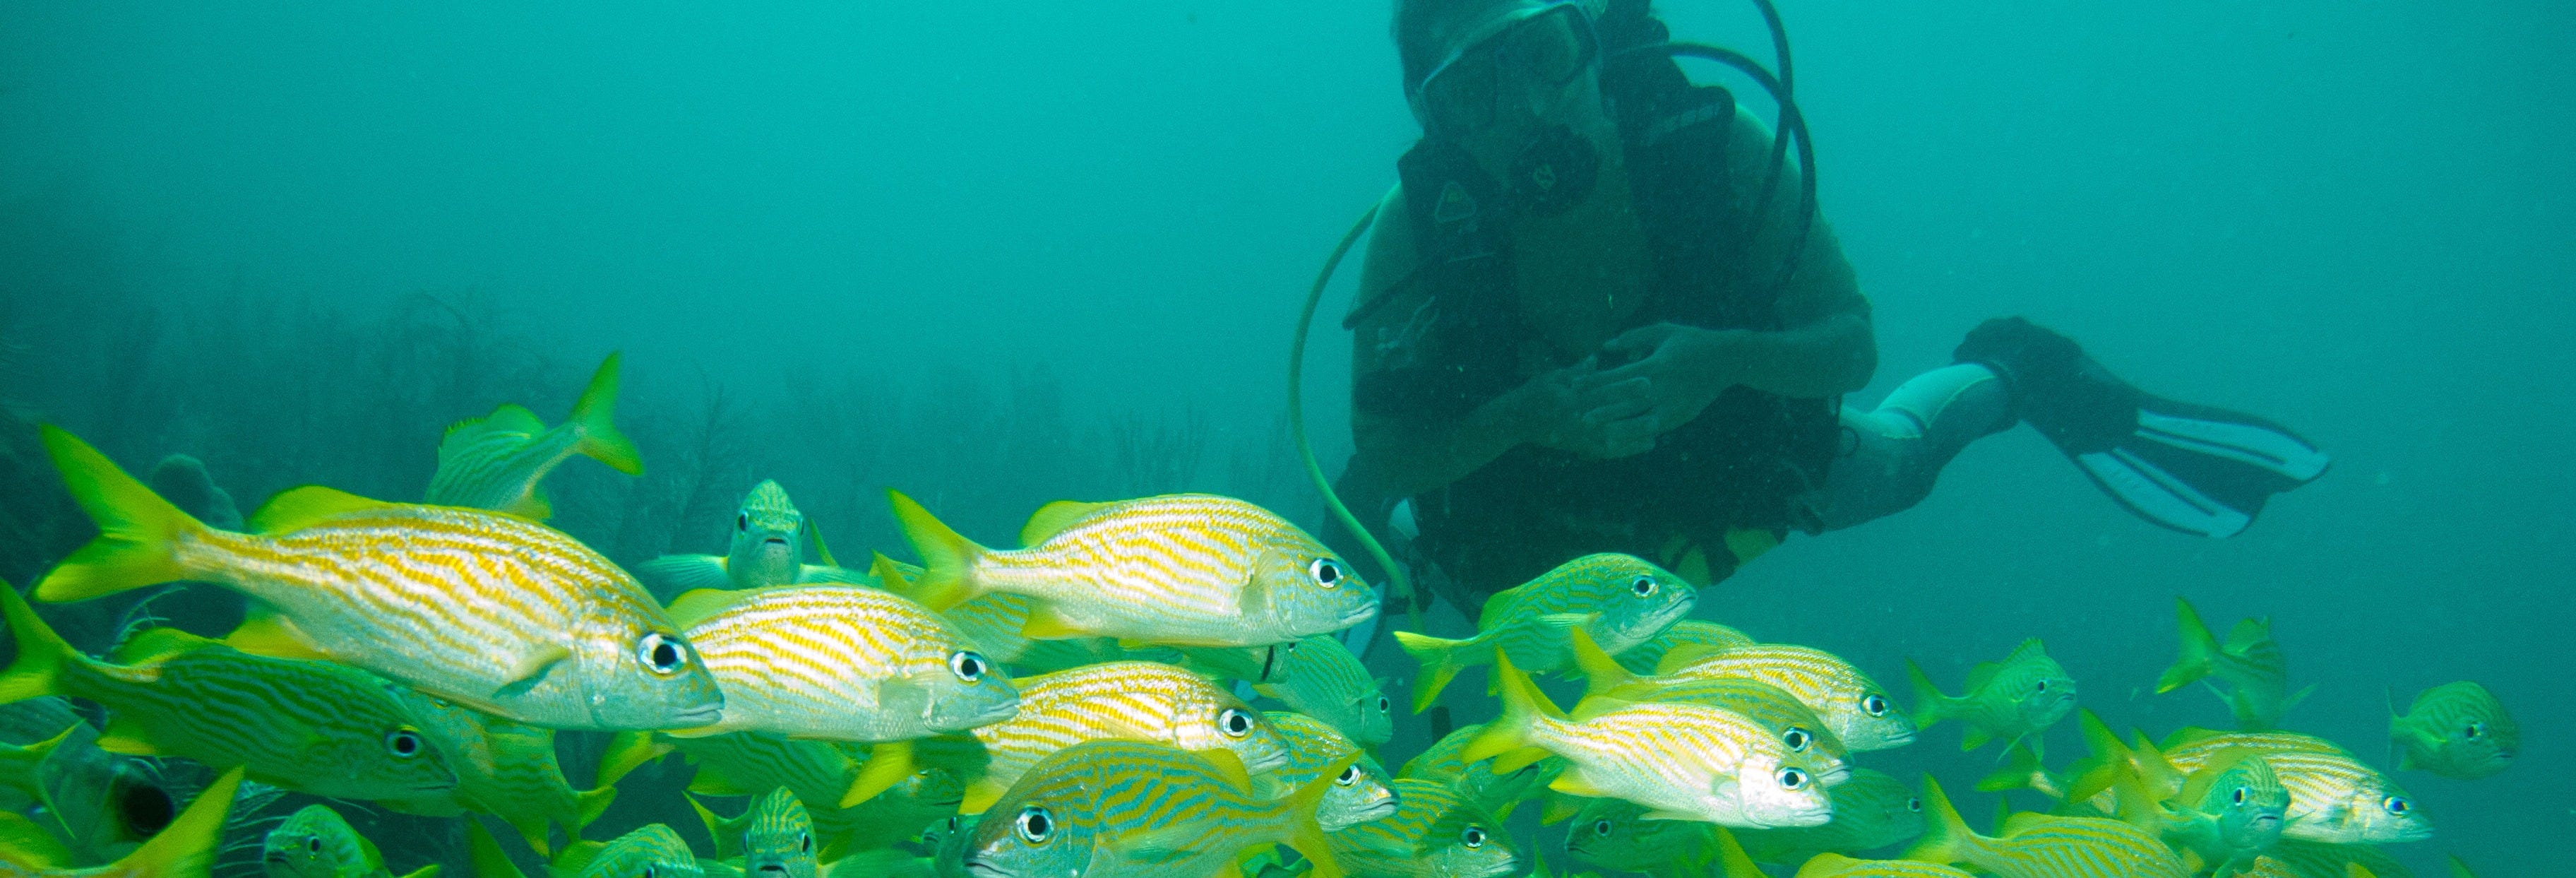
[[2334, 798], [1142, 701], [1181, 570], [1853, 705], [2456, 730], [767, 549], [1620, 600], [992, 624], [1839, 866], [504, 769], [774, 838], [492, 611], [1134, 809], [1432, 834], [184, 849], [838, 662], [1691, 636], [1496, 792], [496, 461], [2040, 846], [1683, 761], [1319, 677], [1798, 727], [1871, 811], [2250, 661], [1359, 794], [308, 726], [315, 842]]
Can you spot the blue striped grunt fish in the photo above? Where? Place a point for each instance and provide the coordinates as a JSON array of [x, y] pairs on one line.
[[492, 611], [2041, 846], [2014, 700], [838, 662], [2334, 798], [1619, 600], [186, 848], [2229, 812], [316, 842], [1871, 811], [1496, 792], [859, 799], [504, 769], [653, 850], [1179, 570], [308, 726], [1683, 761], [1319, 677], [1432, 834], [1614, 834], [2250, 661], [2456, 730], [767, 548], [1143, 701], [495, 461], [1136, 809], [1359, 794], [774, 838]]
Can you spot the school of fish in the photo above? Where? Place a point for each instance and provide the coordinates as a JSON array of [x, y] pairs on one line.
[[1077, 704]]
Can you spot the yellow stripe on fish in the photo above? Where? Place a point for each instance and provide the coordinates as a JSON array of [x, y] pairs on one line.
[[308, 726], [1432, 834], [1838, 866], [1133, 809], [316, 842], [1619, 600], [1142, 701], [1181, 570], [1853, 705], [1797, 726], [774, 838], [2039, 846], [2334, 798], [839, 662], [1685, 761], [495, 462], [1693, 636]]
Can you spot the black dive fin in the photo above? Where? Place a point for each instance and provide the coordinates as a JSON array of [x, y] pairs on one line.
[[2192, 468]]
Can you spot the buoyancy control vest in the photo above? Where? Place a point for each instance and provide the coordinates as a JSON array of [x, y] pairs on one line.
[[1712, 492]]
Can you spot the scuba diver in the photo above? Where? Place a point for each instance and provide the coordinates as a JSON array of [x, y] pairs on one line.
[[1596, 314]]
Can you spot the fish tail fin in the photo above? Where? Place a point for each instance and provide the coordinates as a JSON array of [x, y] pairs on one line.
[[715, 825], [1732, 861], [187, 847], [626, 752], [486, 855], [428, 871], [1601, 673], [539, 833], [1930, 705], [137, 530], [2199, 653], [594, 419], [888, 764], [2132, 804], [1440, 664], [589, 804], [1304, 834], [2106, 751], [947, 557], [1946, 837], [38, 669], [1508, 739]]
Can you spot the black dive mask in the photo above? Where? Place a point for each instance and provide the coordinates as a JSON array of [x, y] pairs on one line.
[[1554, 172]]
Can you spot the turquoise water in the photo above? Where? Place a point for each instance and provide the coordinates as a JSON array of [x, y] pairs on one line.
[[1001, 253]]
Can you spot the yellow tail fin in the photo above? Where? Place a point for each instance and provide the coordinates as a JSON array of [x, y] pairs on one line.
[[888, 764], [485, 854], [1304, 834], [1946, 837], [136, 528], [594, 419], [1601, 673], [1929, 703], [1507, 740], [947, 558], [2199, 652], [1439, 665], [185, 848], [38, 669]]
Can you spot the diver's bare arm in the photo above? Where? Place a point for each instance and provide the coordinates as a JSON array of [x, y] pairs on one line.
[[1828, 346]]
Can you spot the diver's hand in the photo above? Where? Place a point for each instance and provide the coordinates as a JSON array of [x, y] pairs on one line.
[[1549, 409], [1673, 373]]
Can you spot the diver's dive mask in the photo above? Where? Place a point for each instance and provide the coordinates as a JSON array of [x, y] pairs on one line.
[[1528, 50]]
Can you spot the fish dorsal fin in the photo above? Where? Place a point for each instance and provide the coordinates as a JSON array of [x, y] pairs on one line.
[[2247, 633], [299, 508], [1981, 674], [891, 575], [696, 606], [1046, 624], [575, 856], [822, 552], [1681, 656], [269, 633], [2028, 650], [2020, 822], [508, 418], [1053, 518], [1229, 767], [152, 643]]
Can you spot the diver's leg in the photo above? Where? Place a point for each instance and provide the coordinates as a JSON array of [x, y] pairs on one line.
[[1891, 454]]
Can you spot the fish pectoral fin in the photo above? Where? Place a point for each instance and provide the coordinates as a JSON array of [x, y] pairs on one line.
[[699, 603], [1168, 843], [1661, 814], [980, 796], [299, 508], [269, 633], [681, 574], [1975, 737], [888, 764], [1046, 624], [532, 505], [1053, 518], [532, 670], [1574, 783], [125, 736]]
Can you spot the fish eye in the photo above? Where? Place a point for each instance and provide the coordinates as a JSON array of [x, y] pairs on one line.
[[662, 653], [1234, 723], [1601, 828], [1914, 804], [648, 872], [1383, 704], [1350, 775], [1325, 571], [1797, 739], [1644, 586], [2397, 806], [403, 742], [1874, 704], [805, 842], [2043, 686], [967, 665], [742, 521], [2237, 797], [1792, 779], [1034, 825], [313, 843], [1473, 837], [2474, 731]]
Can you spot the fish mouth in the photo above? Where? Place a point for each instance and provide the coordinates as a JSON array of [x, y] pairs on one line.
[[780, 868], [1362, 614], [774, 541], [977, 867], [699, 715]]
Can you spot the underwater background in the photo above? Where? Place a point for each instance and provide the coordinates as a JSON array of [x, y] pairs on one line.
[[1000, 253]]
